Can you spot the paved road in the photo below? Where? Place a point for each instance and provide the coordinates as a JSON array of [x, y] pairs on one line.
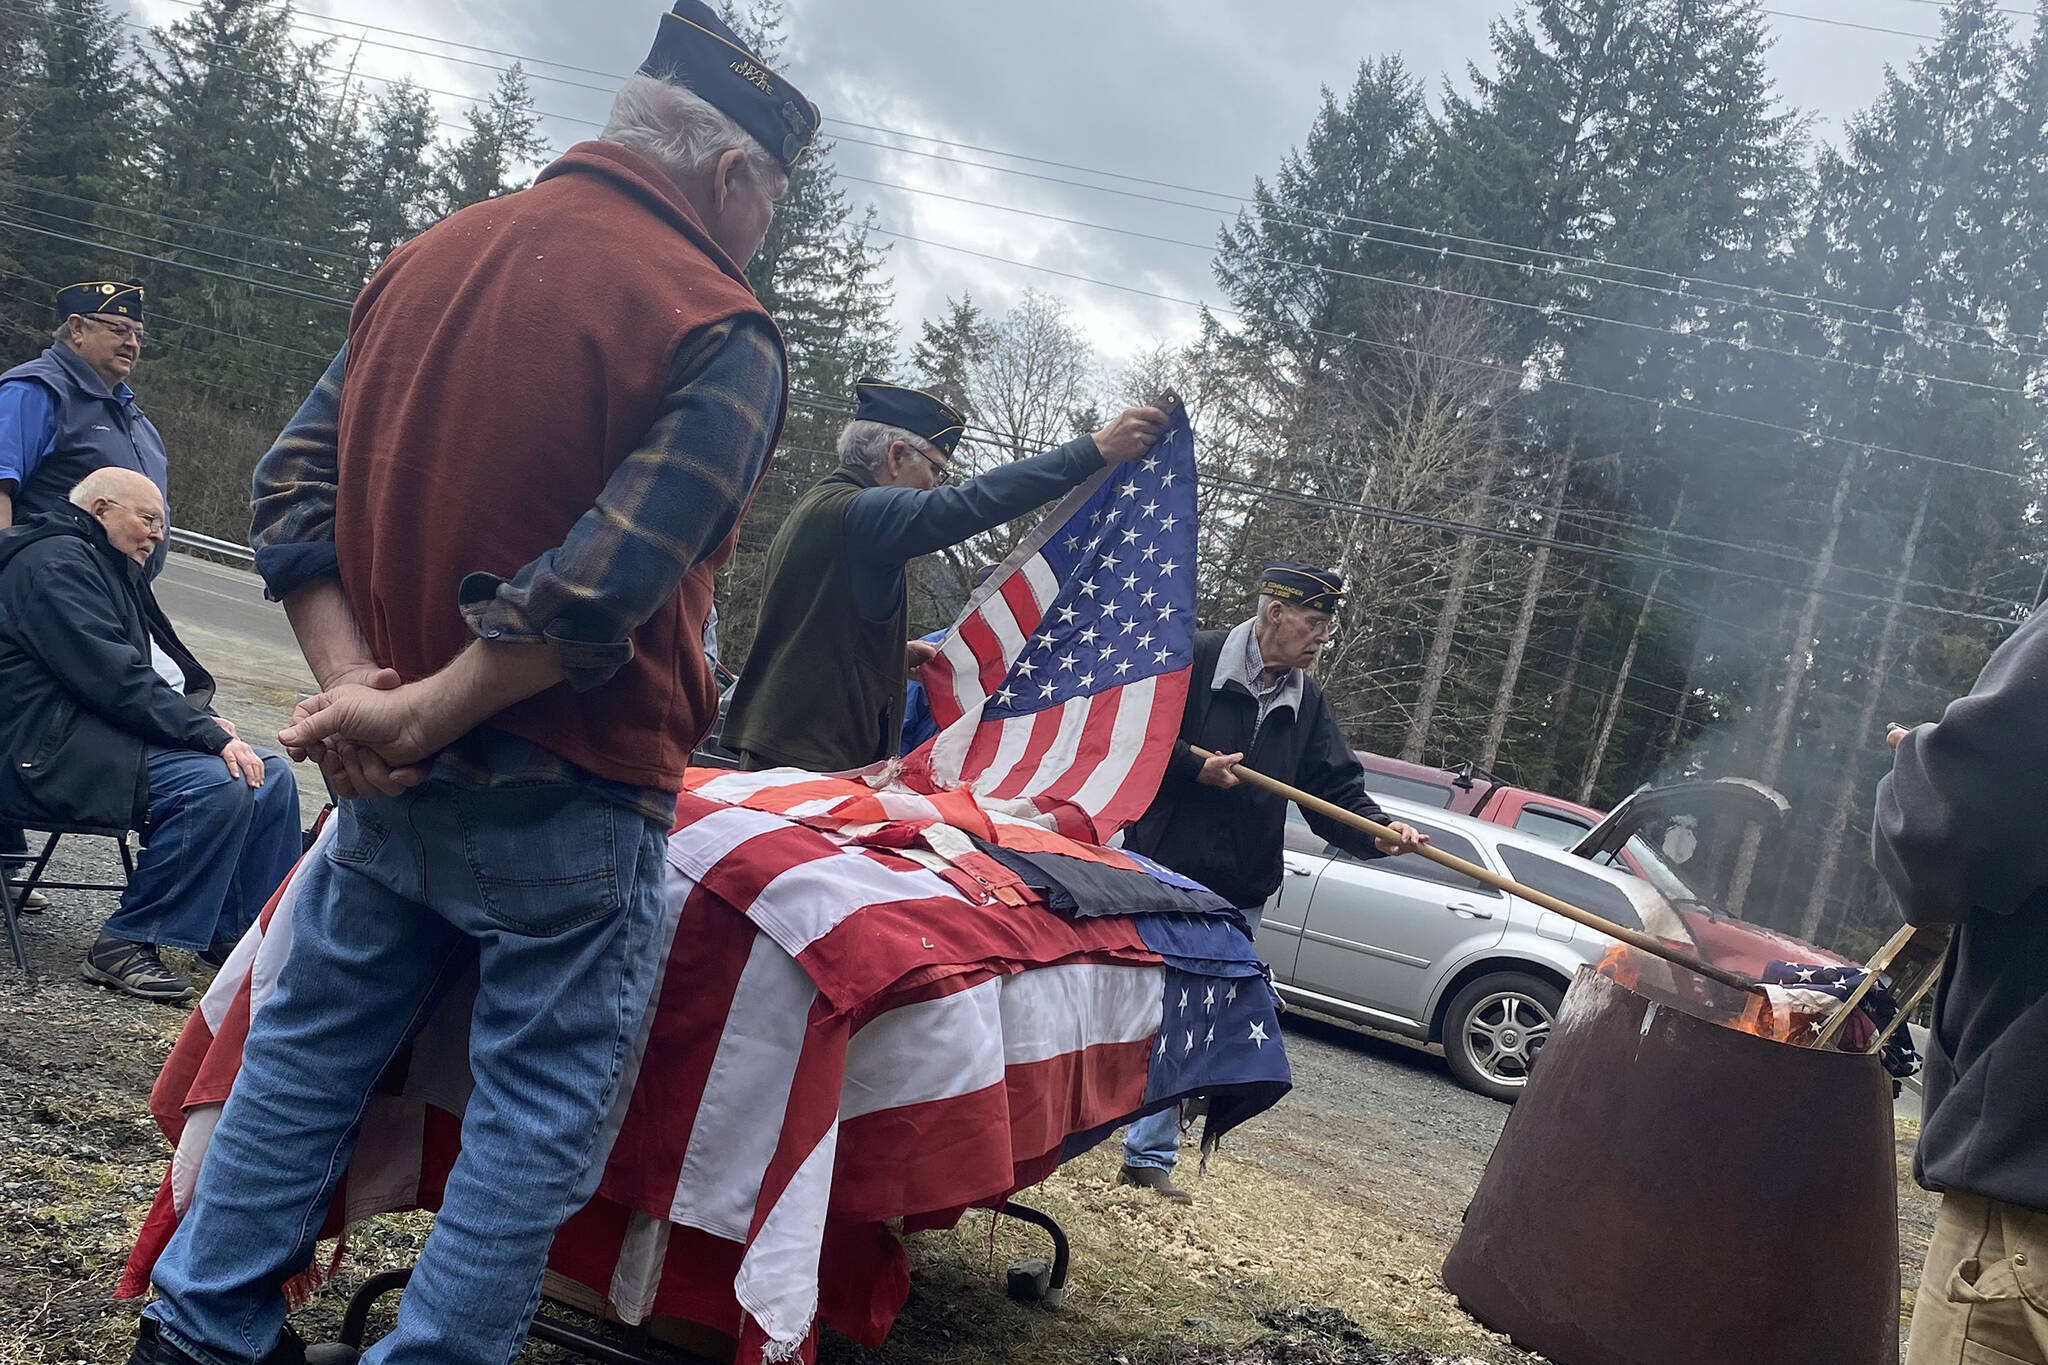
[[1378, 1119], [220, 612]]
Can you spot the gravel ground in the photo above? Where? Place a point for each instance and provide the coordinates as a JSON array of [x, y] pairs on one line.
[[1315, 1237]]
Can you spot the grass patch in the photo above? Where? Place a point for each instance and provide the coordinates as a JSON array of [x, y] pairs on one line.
[[1154, 1283]]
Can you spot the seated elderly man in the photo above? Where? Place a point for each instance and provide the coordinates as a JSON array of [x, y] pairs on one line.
[[101, 736]]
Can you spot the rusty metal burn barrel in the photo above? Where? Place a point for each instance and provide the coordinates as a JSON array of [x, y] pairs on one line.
[[1670, 1191]]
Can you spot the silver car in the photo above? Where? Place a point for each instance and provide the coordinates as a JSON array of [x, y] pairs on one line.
[[1404, 945]]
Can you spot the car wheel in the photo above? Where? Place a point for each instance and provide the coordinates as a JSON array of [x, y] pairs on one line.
[[1494, 1029]]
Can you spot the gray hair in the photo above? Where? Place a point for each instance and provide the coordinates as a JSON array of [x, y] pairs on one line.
[[863, 444], [683, 133]]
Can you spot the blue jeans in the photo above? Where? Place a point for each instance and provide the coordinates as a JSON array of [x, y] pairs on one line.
[[555, 894], [1154, 1140], [217, 850]]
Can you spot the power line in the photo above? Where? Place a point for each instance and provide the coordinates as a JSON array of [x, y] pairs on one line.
[[1682, 279], [33, 188], [1845, 23], [284, 289], [1598, 516], [1446, 291], [1438, 522], [1518, 373], [147, 240], [157, 315], [823, 403], [1995, 9], [1600, 551], [819, 403]]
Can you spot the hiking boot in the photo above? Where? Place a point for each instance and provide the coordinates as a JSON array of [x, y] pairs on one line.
[[291, 1349], [135, 969], [1154, 1179], [215, 957]]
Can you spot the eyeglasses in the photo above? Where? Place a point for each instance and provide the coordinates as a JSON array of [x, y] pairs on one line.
[[129, 331], [153, 520], [939, 469]]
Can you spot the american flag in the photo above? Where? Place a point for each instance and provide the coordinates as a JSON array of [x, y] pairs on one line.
[[1813, 991], [843, 1034], [1070, 665]]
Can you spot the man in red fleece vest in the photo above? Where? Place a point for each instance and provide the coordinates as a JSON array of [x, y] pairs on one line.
[[494, 526]]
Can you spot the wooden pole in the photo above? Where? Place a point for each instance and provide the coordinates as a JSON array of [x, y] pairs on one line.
[[1906, 1008], [1634, 938]]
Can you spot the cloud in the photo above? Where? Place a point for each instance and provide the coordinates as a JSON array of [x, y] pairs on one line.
[[1198, 95]]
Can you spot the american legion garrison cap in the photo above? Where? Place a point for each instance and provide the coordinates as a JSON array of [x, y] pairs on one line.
[[110, 298], [911, 410], [696, 50], [1304, 585]]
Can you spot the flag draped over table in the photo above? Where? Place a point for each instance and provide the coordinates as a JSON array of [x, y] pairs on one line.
[[1069, 668], [844, 1033], [878, 1002]]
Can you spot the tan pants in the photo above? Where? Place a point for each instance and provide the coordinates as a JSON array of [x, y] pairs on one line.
[[1983, 1297]]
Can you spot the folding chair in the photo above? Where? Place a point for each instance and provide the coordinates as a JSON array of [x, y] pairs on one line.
[[12, 893]]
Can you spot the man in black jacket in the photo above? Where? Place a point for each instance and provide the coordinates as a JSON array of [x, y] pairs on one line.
[[1962, 838], [1250, 701], [98, 735]]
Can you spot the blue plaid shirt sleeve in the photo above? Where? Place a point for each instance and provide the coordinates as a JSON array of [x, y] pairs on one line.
[[292, 496], [670, 503]]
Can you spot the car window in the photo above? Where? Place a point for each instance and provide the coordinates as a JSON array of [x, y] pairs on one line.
[[1552, 826], [1421, 869], [1299, 837], [1571, 886], [1408, 789]]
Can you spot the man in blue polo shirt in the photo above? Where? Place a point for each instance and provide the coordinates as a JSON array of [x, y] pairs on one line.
[[70, 410]]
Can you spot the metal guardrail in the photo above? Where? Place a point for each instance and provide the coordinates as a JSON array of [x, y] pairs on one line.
[[227, 549]]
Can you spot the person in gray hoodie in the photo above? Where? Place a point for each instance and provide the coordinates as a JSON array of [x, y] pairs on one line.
[[1961, 837]]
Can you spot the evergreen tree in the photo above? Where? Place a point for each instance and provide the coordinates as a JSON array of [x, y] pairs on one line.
[[819, 275], [72, 168], [1915, 220], [948, 350], [243, 136], [20, 54], [390, 192], [504, 137], [1289, 263]]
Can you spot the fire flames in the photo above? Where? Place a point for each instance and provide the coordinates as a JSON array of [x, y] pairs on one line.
[[1752, 1012]]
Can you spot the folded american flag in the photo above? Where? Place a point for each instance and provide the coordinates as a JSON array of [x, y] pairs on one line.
[[841, 1036], [1063, 682]]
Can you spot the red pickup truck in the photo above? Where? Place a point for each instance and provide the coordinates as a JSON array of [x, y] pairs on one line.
[[1465, 790], [1625, 840]]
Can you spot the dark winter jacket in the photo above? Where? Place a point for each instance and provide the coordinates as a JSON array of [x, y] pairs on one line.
[[79, 698], [1230, 841], [1962, 838]]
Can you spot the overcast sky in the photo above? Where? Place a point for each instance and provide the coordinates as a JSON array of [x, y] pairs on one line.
[[1191, 93]]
